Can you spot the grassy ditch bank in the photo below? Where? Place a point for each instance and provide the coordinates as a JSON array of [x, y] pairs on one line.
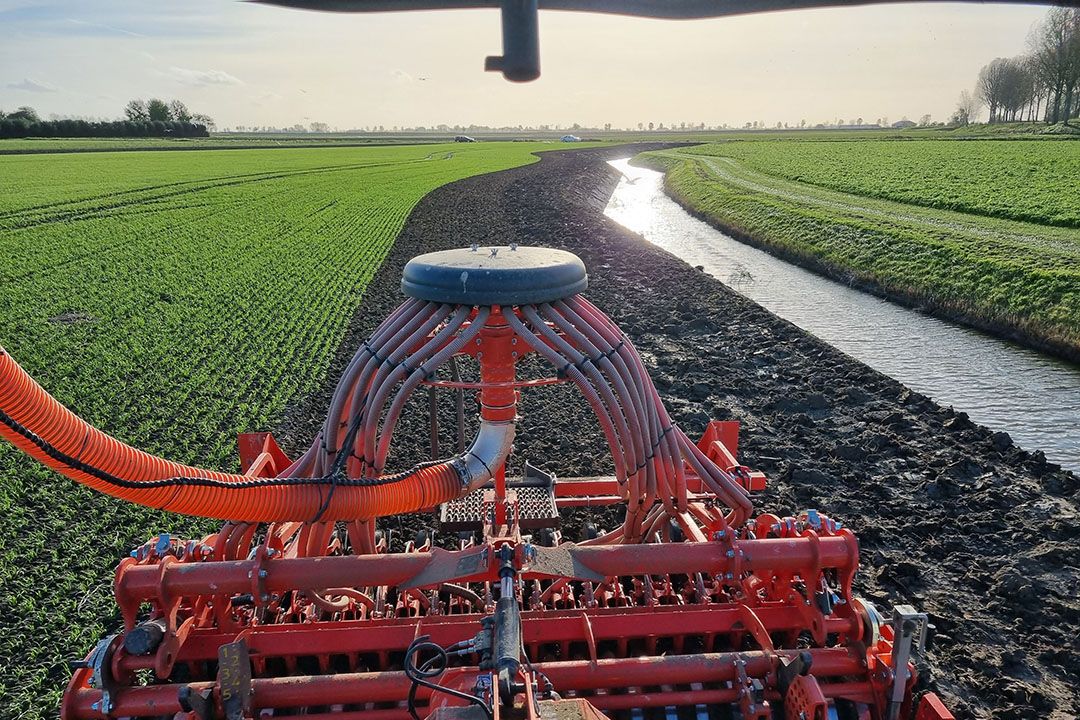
[[1019, 280]]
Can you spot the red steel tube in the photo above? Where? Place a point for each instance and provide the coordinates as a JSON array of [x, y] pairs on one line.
[[146, 582], [769, 553], [578, 675], [537, 628]]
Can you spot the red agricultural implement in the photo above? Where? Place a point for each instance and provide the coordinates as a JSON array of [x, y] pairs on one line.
[[693, 607]]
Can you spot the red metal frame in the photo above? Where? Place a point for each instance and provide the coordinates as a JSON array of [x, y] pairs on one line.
[[712, 620]]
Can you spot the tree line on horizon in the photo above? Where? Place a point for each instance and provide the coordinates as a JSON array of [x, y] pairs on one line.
[[1043, 84], [153, 118]]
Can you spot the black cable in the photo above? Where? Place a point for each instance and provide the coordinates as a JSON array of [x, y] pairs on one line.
[[529, 666], [433, 420], [459, 403], [432, 668], [329, 496], [333, 479]]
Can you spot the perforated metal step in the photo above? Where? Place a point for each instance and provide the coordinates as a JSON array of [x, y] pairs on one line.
[[534, 494]]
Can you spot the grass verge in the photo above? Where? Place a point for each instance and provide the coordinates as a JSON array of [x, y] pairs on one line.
[[1018, 280]]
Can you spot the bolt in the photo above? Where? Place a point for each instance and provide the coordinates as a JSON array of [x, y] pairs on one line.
[[263, 573], [730, 553], [720, 534]]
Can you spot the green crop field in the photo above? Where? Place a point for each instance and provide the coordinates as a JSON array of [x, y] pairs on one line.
[[236, 140], [929, 222], [173, 299], [1036, 180], [11, 146]]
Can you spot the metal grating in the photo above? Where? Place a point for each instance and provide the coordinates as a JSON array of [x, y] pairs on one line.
[[536, 508]]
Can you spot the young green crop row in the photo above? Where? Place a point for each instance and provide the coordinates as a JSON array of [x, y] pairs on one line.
[[1021, 280], [1033, 180], [173, 299]]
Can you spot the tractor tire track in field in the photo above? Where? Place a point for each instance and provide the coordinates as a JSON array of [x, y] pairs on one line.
[[731, 171], [26, 218], [951, 518]]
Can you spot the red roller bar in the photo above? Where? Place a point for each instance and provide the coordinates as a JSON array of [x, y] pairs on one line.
[[137, 583], [578, 676]]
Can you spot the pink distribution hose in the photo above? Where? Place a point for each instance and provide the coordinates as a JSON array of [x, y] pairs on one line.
[[650, 453]]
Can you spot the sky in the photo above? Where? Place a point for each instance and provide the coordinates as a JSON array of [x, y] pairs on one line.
[[246, 64]]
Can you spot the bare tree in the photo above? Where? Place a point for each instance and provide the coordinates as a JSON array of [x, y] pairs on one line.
[[1055, 47], [967, 108], [179, 111], [1006, 86], [1019, 87], [136, 111], [990, 84], [26, 113]]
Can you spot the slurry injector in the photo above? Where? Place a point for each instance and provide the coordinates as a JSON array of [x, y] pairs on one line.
[[693, 607]]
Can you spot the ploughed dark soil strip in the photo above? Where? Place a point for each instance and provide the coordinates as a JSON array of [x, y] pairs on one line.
[[952, 518]]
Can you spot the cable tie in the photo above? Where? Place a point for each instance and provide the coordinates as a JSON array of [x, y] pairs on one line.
[[329, 496], [652, 449], [374, 354]]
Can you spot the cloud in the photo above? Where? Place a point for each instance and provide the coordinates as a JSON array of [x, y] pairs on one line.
[[28, 85], [265, 97], [187, 76], [100, 28]]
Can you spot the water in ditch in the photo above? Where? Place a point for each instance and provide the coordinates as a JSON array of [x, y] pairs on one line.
[[1035, 398]]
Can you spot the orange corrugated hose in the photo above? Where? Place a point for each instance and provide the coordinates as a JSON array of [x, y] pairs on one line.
[[35, 422]]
